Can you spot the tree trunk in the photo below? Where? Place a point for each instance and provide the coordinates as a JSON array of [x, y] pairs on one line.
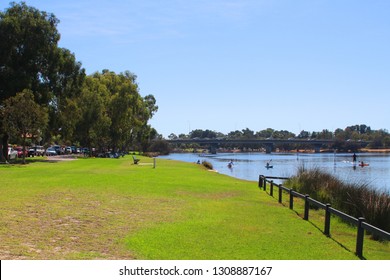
[[1, 153], [4, 152], [24, 149]]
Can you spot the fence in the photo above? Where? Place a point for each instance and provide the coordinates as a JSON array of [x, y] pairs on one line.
[[358, 222]]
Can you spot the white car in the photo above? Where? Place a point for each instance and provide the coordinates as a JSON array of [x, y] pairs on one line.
[[51, 151], [36, 151], [12, 154]]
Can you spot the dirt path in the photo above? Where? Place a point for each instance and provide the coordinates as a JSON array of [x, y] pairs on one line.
[[61, 158]]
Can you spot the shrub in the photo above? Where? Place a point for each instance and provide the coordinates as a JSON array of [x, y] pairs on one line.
[[207, 164], [159, 146]]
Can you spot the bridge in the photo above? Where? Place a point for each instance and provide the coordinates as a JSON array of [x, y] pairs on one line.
[[267, 143]]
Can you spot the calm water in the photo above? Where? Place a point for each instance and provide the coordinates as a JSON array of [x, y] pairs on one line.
[[249, 166]]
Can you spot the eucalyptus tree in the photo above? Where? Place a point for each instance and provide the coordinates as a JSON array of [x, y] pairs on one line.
[[200, 133], [125, 108], [265, 133], [237, 134], [130, 114], [248, 134], [114, 114], [92, 128], [67, 77], [144, 132], [31, 59], [325, 134]]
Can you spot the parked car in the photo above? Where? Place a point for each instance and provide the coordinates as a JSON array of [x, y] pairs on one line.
[[68, 150], [20, 151], [58, 149], [36, 151], [12, 154], [51, 151]]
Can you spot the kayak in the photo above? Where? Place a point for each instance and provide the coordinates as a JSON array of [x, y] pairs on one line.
[[354, 163], [269, 166]]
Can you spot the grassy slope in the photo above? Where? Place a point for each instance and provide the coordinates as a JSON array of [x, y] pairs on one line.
[[111, 209]]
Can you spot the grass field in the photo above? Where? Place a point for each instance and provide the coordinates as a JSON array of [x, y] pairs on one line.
[[113, 209]]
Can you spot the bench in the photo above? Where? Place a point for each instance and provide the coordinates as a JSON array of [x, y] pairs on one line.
[[136, 160]]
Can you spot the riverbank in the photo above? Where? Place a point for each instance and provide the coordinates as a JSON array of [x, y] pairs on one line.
[[375, 150], [112, 209]]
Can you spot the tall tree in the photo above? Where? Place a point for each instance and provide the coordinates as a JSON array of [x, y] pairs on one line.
[[67, 77], [31, 59], [28, 44], [114, 115], [94, 123]]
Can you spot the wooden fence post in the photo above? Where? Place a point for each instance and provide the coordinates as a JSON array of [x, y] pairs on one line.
[[260, 181], [307, 206], [265, 184], [272, 188], [291, 199], [327, 220], [280, 194], [360, 238]]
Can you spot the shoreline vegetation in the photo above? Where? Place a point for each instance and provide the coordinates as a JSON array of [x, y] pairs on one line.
[[357, 199], [375, 150], [101, 208]]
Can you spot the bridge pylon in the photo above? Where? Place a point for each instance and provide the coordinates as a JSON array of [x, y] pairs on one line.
[[269, 147], [317, 148], [213, 149]]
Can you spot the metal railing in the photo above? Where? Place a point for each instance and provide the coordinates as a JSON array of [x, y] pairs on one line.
[[358, 222]]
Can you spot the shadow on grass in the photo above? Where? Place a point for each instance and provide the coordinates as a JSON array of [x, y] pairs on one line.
[[285, 204], [329, 236], [19, 162]]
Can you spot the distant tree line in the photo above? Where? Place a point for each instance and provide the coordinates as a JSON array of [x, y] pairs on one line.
[[103, 110], [345, 139]]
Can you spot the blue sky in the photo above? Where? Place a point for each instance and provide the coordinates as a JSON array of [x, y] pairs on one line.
[[233, 64]]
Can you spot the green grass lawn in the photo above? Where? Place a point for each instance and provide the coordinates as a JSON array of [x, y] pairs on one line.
[[113, 209]]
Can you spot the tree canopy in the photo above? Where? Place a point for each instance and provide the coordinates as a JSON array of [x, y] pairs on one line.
[[345, 139], [113, 113], [31, 59]]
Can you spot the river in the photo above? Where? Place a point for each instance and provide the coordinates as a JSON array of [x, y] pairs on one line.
[[249, 166]]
